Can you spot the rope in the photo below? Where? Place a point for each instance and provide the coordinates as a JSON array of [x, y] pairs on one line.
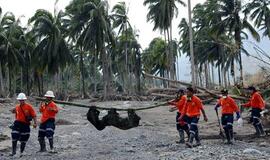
[[102, 108], [118, 109]]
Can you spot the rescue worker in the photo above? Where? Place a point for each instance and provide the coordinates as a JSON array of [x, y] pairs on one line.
[[179, 104], [47, 126], [228, 108], [192, 111], [257, 104], [24, 113]]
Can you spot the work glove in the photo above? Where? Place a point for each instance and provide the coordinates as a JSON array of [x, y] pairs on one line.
[[238, 115], [216, 107]]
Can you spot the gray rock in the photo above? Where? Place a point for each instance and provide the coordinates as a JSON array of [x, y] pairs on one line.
[[263, 144], [252, 151]]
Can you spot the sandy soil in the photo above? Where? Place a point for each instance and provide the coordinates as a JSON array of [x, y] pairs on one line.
[[153, 139]]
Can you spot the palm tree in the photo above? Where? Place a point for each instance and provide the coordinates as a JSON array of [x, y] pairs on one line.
[[161, 13], [10, 46], [27, 53], [259, 11], [232, 23], [52, 52], [93, 31], [121, 21], [155, 60]]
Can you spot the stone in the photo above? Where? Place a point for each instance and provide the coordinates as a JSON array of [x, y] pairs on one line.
[[251, 151]]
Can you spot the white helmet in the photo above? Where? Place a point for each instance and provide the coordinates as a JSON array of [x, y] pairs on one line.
[[49, 94], [21, 96]]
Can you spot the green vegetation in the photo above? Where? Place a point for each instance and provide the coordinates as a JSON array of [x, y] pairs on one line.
[[88, 49]]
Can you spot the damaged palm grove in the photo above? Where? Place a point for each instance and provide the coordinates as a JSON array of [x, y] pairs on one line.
[[145, 79]]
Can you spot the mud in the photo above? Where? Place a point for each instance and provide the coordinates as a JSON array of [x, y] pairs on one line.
[[153, 139]]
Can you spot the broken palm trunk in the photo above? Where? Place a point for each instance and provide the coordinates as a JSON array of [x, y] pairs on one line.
[[113, 119]]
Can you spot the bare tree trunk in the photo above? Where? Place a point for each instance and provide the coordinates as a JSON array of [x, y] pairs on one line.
[[9, 82], [27, 80], [126, 61], [1, 81], [200, 79], [193, 69], [42, 83], [213, 74], [21, 85], [232, 69], [237, 37], [177, 70], [82, 73], [105, 72], [166, 73], [172, 58], [206, 75], [241, 70], [168, 53], [197, 77], [224, 78], [39, 84], [229, 83], [95, 74], [209, 75], [219, 76], [138, 72]]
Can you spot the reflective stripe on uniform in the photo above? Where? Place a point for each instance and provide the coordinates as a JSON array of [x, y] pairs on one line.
[[27, 133], [258, 123], [194, 124], [42, 130], [49, 129], [15, 132]]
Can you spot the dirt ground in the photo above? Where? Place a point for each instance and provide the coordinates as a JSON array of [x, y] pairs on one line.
[[155, 138]]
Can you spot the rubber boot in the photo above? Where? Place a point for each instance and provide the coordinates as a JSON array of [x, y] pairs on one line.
[[181, 136], [188, 133], [42, 145], [231, 135], [190, 141], [257, 134], [23, 144], [228, 137], [51, 146], [261, 130], [14, 148], [198, 140]]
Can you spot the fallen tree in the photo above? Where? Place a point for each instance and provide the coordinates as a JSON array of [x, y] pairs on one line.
[[211, 93], [5, 100]]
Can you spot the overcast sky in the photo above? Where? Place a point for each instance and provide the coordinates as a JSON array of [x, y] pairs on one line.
[[137, 15]]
